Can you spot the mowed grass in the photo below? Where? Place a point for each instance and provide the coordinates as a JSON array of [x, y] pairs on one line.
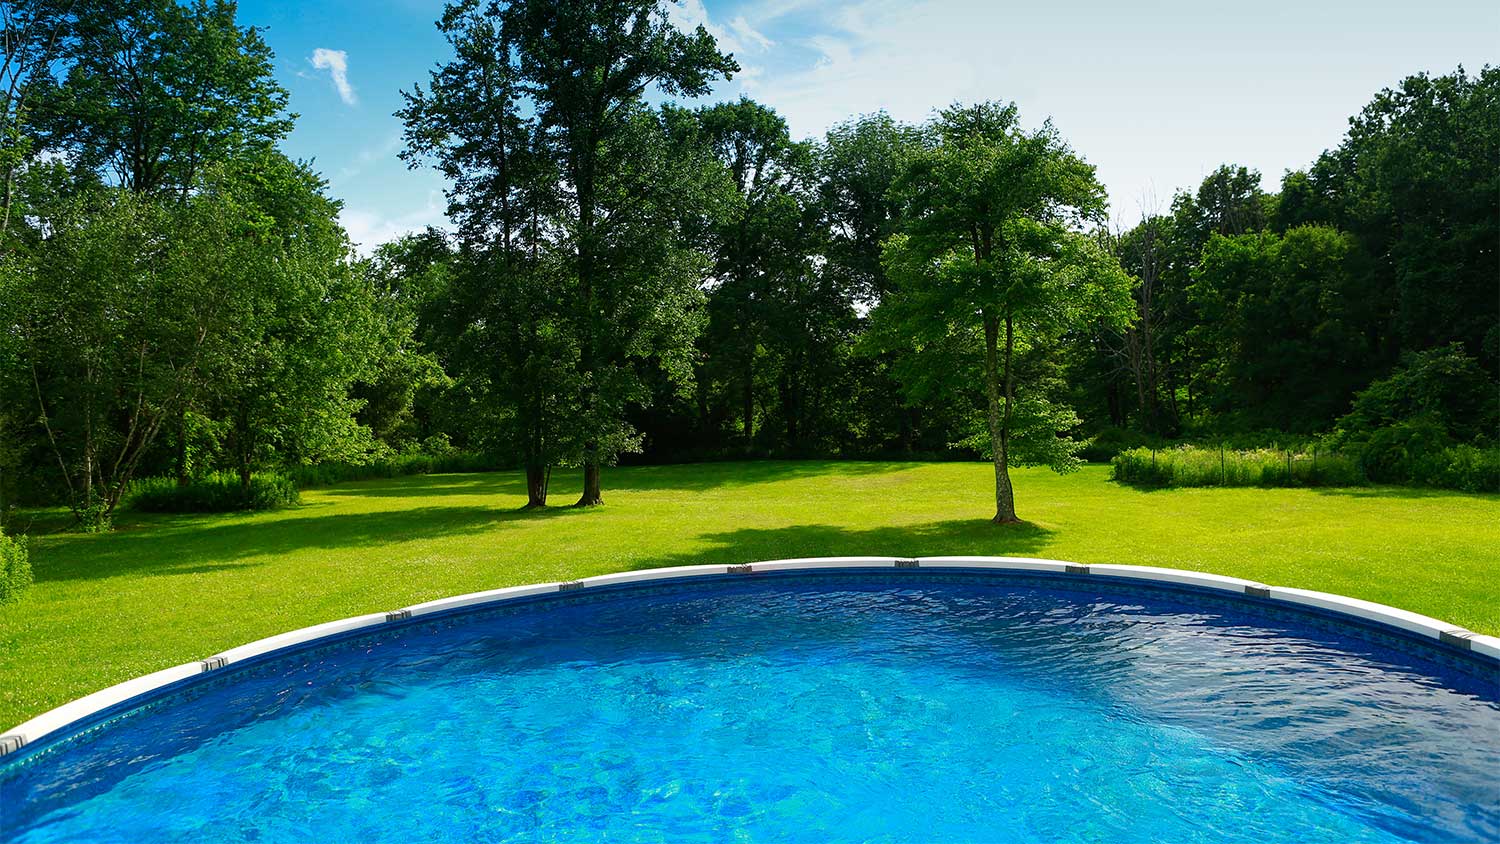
[[163, 590]]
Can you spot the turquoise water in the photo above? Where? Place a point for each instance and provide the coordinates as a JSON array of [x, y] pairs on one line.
[[803, 709]]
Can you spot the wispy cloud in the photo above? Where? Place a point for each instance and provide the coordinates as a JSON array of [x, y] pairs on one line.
[[748, 34], [377, 153], [336, 62], [369, 228], [739, 37]]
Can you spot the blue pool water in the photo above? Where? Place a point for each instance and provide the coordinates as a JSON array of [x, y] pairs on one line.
[[810, 708]]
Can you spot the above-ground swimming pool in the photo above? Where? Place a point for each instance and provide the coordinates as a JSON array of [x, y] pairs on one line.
[[854, 700]]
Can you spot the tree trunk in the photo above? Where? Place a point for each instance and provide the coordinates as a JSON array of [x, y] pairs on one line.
[[182, 448], [536, 485], [749, 403], [1005, 496], [591, 496], [997, 414]]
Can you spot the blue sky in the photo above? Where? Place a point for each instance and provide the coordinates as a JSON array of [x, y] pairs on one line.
[[1154, 94]]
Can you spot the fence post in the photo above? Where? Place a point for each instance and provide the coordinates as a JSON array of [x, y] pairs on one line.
[[1223, 473]]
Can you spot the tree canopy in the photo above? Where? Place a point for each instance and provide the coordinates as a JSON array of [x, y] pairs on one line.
[[636, 272]]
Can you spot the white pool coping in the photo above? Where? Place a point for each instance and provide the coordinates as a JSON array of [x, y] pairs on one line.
[[89, 705]]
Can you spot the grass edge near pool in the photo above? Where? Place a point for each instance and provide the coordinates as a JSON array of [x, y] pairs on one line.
[[163, 590]]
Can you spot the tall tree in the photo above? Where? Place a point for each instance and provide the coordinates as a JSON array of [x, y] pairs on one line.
[[411, 280], [773, 316], [35, 36], [304, 326], [1415, 181], [504, 193], [858, 162], [1286, 315], [122, 312], [157, 90], [991, 259], [586, 65]]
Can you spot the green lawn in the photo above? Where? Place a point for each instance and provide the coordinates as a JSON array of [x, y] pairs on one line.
[[165, 590]]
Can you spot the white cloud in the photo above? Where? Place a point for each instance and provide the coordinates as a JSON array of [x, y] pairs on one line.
[[369, 229], [336, 62], [739, 37], [748, 34], [382, 152]]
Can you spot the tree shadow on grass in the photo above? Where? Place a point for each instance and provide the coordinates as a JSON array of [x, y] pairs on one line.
[[194, 547], [685, 477], [700, 477], [501, 483], [958, 537], [1401, 492]]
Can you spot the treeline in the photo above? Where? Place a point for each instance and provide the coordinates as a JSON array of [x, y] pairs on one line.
[[178, 296], [629, 281]]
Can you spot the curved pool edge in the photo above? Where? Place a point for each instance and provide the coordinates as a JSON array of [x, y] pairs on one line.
[[123, 695]]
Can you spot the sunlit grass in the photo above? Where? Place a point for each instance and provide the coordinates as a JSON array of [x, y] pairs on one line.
[[162, 590]]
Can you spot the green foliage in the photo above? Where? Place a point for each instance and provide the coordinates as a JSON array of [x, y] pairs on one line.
[[301, 327], [1410, 453], [1103, 446], [859, 161], [1464, 467], [15, 567], [1285, 315], [1443, 385], [218, 492], [1419, 451], [201, 91], [1190, 466], [411, 279], [111, 327], [1415, 181], [991, 266], [1429, 423], [779, 327], [604, 272]]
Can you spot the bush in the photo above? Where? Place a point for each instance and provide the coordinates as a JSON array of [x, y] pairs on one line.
[[15, 567], [1419, 452], [1444, 387], [1400, 452], [1187, 466], [220, 492], [1469, 468]]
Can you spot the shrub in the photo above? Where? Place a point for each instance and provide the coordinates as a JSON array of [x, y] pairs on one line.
[[1469, 468], [1444, 386], [1401, 452], [94, 515], [1187, 466], [220, 492], [15, 567], [1418, 452]]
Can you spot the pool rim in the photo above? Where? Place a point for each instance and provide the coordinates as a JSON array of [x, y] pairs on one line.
[[56, 723]]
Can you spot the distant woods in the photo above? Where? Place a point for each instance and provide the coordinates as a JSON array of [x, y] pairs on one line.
[[631, 281]]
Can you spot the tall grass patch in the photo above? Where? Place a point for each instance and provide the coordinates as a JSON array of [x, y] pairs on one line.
[[1186, 466], [15, 566], [220, 492]]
